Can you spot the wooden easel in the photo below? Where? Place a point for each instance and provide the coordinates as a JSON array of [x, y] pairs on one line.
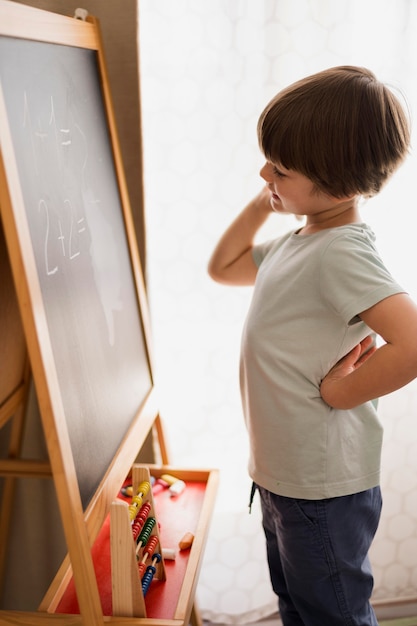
[[43, 277], [11, 409], [15, 380]]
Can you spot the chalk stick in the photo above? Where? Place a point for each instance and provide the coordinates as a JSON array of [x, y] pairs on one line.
[[169, 479], [169, 554], [186, 541], [177, 488]]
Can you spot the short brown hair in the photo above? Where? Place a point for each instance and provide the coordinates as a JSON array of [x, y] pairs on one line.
[[341, 127]]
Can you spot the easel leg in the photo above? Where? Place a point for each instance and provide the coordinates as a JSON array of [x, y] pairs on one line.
[[195, 618], [15, 446], [161, 441]]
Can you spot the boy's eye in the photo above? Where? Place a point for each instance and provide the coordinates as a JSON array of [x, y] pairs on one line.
[[277, 172]]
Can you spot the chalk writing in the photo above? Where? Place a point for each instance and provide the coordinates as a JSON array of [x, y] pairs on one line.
[[58, 156]]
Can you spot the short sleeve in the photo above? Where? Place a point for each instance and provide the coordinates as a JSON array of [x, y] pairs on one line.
[[262, 250], [352, 275]]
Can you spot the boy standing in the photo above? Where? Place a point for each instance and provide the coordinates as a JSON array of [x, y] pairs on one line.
[[309, 369]]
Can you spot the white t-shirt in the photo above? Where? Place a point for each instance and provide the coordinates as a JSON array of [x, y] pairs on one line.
[[303, 318]]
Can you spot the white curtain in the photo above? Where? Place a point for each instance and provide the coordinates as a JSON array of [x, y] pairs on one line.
[[207, 69]]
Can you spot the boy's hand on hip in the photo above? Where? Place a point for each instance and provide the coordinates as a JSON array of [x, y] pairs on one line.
[[332, 388]]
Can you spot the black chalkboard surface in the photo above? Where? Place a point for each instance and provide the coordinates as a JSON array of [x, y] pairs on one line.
[[59, 130]]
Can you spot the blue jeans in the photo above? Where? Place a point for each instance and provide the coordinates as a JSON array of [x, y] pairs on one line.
[[318, 557]]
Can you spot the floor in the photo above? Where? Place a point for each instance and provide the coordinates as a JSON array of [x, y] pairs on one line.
[[275, 621], [405, 621]]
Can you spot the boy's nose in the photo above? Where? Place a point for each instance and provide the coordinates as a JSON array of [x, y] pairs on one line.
[[265, 172]]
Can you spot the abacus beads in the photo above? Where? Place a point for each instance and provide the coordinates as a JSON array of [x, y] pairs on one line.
[[146, 533], [149, 574], [140, 519], [150, 549], [142, 527], [137, 500]]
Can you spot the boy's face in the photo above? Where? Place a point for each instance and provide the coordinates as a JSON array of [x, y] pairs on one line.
[[292, 192]]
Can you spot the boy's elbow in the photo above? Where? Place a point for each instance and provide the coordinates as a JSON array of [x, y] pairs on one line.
[[407, 362], [240, 272], [215, 273]]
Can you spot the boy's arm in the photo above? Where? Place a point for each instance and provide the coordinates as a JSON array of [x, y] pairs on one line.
[[231, 262], [359, 376]]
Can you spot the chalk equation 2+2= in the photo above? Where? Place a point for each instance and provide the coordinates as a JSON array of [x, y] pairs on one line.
[[59, 155]]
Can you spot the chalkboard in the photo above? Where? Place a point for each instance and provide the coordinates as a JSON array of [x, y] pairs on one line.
[[65, 163]]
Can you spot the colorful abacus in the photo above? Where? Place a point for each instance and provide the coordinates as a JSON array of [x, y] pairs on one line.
[[137, 500], [149, 574], [145, 534], [140, 519], [134, 544], [150, 549]]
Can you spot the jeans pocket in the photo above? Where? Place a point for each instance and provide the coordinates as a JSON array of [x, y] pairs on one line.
[[307, 510]]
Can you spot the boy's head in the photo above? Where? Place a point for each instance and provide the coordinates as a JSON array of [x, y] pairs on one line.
[[341, 128]]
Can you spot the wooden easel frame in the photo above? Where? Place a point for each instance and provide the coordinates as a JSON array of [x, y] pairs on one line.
[[14, 409], [81, 527]]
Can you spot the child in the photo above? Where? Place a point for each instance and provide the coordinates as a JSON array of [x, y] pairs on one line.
[[309, 369]]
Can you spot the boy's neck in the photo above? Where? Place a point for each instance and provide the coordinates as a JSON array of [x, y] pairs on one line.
[[341, 215]]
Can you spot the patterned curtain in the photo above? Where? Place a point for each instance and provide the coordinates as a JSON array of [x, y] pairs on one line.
[[207, 69]]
